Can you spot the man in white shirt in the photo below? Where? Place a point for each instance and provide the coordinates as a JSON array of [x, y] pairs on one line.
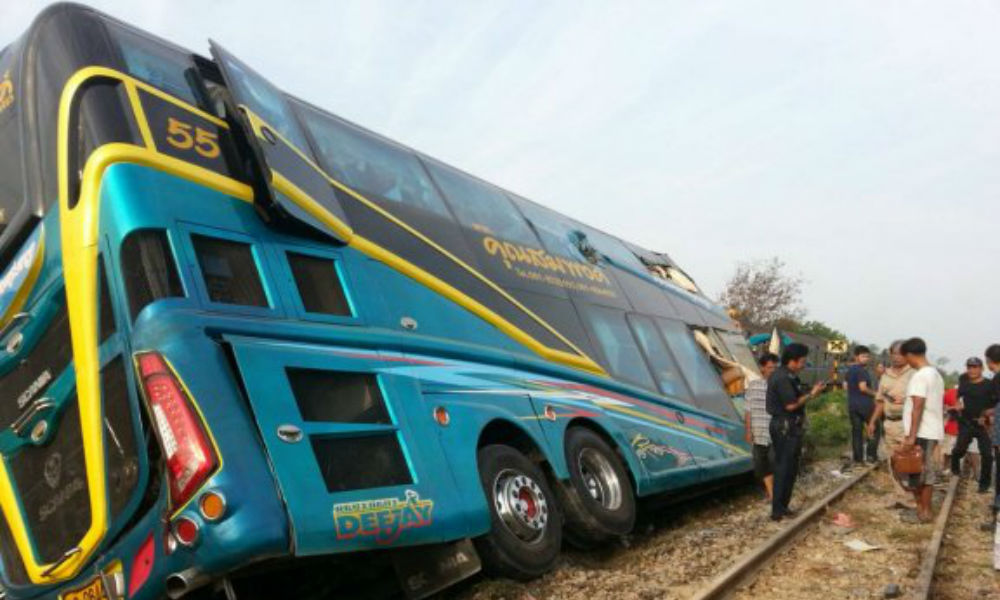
[[923, 420]]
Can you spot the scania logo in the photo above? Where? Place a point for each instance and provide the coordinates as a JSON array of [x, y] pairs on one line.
[[53, 470]]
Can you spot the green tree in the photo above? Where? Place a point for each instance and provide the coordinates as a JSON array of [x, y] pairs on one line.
[[819, 329]]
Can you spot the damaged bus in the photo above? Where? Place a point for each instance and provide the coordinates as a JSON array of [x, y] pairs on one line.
[[242, 337]]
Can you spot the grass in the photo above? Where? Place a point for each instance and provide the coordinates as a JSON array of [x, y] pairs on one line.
[[829, 428]]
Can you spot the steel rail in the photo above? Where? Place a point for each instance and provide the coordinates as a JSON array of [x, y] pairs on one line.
[[753, 561], [925, 579]]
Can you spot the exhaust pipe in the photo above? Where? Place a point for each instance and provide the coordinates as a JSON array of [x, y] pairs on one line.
[[179, 584]]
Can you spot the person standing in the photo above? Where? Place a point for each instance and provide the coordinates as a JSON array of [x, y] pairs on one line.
[[950, 425], [786, 405], [976, 398], [993, 364], [861, 406], [923, 420], [758, 422], [889, 399]]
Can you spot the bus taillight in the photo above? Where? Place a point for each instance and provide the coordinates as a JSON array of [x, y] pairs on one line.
[[190, 456]]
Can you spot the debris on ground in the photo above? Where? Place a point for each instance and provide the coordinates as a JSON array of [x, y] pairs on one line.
[[860, 545]]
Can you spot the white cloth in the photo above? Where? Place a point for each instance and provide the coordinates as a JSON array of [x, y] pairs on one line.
[[926, 383]]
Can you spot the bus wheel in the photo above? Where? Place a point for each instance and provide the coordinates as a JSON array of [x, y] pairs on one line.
[[526, 533], [598, 500]]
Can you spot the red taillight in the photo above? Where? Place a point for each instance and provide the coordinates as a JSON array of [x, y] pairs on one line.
[[190, 456]]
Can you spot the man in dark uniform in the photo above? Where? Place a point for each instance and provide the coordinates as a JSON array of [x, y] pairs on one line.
[[976, 398], [786, 405]]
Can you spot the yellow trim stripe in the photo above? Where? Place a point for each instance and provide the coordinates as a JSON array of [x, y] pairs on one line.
[[579, 360], [140, 116], [79, 233]]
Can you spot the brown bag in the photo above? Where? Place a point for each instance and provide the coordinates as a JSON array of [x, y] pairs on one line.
[[908, 461]]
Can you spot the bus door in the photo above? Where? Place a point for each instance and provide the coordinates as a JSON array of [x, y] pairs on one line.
[[281, 149], [358, 461]]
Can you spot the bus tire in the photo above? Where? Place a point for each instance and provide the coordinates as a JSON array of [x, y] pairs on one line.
[[598, 498], [526, 523]]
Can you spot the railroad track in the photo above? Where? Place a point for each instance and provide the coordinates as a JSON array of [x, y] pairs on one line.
[[750, 563], [925, 580]]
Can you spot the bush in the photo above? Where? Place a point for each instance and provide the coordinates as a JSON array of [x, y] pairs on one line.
[[828, 430]]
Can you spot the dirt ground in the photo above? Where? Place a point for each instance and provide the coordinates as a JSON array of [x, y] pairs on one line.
[[965, 566], [681, 548], [821, 565], [676, 550]]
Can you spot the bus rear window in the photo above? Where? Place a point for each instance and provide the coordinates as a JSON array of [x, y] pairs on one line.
[[158, 63]]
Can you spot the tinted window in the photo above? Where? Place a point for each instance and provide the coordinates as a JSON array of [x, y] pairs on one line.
[[665, 371], [560, 234], [105, 315], [612, 250], [148, 269], [264, 99], [621, 354], [338, 397], [157, 63], [481, 206], [119, 436], [700, 375], [11, 182], [369, 164], [319, 284], [229, 270]]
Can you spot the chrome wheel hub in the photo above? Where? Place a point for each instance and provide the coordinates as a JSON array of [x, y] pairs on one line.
[[521, 505], [600, 479]]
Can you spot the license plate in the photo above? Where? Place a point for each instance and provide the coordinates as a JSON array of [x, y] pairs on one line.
[[94, 589]]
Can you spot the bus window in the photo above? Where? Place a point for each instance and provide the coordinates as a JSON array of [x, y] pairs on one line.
[[664, 369], [319, 284], [157, 63], [698, 371], [229, 271], [559, 234], [369, 164], [267, 101], [11, 182], [481, 206], [148, 269], [621, 354]]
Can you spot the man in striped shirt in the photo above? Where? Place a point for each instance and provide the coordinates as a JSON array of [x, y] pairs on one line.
[[758, 421]]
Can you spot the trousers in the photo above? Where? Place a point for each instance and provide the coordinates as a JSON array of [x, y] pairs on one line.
[[859, 421], [967, 431], [786, 439]]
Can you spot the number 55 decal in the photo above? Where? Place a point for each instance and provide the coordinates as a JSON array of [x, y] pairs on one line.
[[185, 136]]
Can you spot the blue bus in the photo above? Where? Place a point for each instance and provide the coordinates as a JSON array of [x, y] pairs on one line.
[[241, 336]]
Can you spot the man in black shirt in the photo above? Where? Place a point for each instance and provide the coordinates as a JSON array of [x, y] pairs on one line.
[[976, 401], [786, 404]]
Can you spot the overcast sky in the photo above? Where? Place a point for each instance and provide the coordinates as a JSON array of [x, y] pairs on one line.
[[858, 141]]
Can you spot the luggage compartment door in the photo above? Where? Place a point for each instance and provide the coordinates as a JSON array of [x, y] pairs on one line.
[[353, 448]]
